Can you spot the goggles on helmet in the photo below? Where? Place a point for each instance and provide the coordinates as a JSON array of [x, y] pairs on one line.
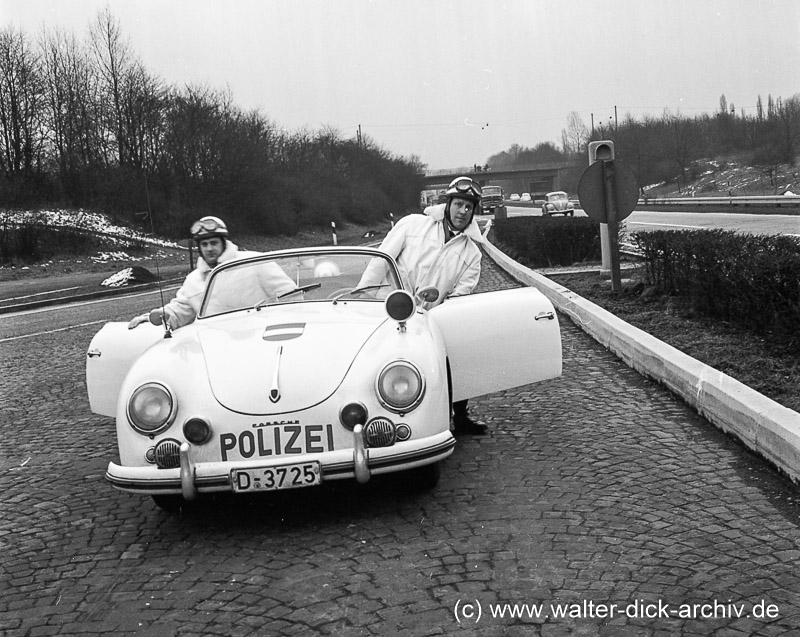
[[464, 185], [208, 225]]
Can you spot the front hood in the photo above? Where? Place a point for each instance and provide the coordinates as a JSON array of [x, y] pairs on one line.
[[285, 358]]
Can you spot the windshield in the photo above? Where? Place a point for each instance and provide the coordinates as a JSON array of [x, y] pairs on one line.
[[491, 190], [298, 277], [556, 196]]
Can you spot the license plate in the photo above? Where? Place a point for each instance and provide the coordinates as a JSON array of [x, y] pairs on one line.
[[287, 476]]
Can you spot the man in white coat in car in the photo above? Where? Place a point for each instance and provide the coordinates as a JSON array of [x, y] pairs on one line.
[[438, 248], [211, 236]]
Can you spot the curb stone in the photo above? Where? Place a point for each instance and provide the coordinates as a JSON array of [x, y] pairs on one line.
[[763, 425]]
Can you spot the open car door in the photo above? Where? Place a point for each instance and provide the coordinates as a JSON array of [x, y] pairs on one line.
[[499, 340], [111, 353]]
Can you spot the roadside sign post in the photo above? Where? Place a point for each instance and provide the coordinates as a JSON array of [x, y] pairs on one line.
[[612, 225], [608, 194]]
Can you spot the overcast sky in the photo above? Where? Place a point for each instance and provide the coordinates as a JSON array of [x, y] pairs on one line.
[[455, 81]]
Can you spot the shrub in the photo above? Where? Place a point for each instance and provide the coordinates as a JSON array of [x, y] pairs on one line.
[[749, 280], [549, 241]]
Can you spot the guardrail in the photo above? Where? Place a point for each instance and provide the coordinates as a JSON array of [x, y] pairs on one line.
[[777, 201]]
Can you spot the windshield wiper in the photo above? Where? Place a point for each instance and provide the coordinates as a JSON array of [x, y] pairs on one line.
[[302, 288], [305, 288], [366, 288]]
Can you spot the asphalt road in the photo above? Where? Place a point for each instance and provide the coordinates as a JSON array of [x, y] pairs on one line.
[[597, 500], [643, 220]]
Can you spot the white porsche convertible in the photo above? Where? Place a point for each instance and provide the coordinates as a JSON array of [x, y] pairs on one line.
[[323, 380]]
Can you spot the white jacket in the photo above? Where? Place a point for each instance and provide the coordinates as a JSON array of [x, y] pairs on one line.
[[183, 309], [417, 242]]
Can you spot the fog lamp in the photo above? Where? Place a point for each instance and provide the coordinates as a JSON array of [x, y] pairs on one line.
[[353, 414], [197, 431]]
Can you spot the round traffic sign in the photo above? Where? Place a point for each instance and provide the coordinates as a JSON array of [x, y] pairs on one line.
[[592, 191]]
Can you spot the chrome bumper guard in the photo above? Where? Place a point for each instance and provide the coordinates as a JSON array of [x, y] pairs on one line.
[[360, 455], [188, 488]]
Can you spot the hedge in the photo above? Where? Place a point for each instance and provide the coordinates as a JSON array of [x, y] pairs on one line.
[[748, 280], [541, 242]]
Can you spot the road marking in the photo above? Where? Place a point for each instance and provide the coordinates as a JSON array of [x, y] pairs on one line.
[[74, 304], [28, 296], [60, 329], [665, 225]]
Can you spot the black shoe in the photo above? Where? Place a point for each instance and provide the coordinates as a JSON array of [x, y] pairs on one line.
[[464, 425]]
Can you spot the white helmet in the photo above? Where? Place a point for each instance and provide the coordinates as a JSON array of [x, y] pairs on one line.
[[208, 227], [464, 188]]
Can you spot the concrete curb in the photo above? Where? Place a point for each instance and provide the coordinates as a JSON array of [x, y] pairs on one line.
[[765, 427]]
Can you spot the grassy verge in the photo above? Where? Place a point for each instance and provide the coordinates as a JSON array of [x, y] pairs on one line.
[[749, 358]]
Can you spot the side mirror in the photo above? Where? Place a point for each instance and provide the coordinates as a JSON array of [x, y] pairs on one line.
[[428, 295]]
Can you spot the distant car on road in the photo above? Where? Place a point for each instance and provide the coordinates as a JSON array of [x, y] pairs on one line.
[[491, 198], [514, 197], [557, 203], [526, 197]]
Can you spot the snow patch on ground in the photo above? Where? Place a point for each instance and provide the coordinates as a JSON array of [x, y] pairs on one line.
[[82, 220], [119, 279], [90, 221]]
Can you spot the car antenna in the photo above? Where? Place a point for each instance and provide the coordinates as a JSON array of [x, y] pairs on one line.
[[167, 330]]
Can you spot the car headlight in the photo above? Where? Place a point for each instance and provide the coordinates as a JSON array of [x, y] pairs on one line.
[[151, 408], [400, 386]]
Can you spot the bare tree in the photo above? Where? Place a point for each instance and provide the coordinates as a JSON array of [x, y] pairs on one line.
[[114, 61], [70, 111], [22, 133], [142, 115], [574, 137], [788, 116]]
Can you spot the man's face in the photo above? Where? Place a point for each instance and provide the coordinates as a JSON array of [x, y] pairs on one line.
[[461, 212], [210, 250]]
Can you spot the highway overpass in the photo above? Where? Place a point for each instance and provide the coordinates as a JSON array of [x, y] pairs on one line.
[[535, 179]]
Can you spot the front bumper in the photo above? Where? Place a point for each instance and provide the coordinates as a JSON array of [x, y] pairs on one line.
[[557, 211], [193, 478]]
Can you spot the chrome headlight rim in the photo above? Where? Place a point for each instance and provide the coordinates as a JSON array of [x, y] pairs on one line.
[[134, 419], [406, 407]]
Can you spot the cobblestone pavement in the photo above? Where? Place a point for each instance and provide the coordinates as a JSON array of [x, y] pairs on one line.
[[592, 490]]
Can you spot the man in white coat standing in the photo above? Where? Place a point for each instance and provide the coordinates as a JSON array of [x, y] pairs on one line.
[[438, 248]]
